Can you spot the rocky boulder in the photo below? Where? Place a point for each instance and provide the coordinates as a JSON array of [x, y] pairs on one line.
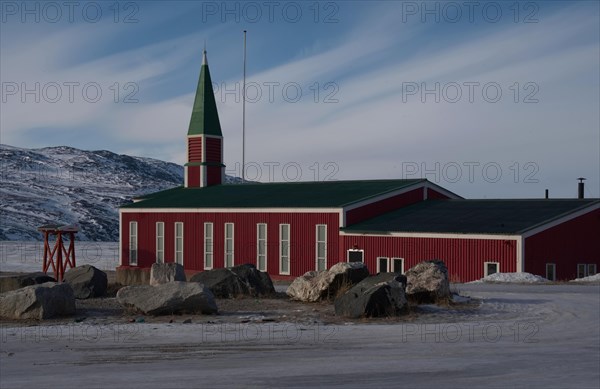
[[161, 273], [43, 301], [427, 283], [13, 282], [87, 281], [327, 284], [258, 282], [171, 298], [241, 280], [376, 296]]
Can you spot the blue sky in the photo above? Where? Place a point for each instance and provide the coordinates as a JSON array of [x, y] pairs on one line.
[[336, 90]]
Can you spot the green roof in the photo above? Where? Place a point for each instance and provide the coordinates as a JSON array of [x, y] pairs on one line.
[[472, 216], [326, 194], [205, 118]]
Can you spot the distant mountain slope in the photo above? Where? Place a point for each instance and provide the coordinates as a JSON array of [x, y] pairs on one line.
[[72, 186]]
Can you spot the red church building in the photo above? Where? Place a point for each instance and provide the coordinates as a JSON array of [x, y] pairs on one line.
[[287, 229]]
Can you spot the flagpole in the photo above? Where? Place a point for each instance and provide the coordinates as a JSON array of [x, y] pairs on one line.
[[244, 116]]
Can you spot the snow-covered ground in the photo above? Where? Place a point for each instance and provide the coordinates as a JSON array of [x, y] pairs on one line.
[[28, 256], [519, 278], [594, 278], [533, 336]]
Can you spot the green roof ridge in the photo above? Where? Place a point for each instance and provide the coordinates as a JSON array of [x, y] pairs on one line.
[[205, 117]]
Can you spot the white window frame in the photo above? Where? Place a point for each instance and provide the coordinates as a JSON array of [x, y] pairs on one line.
[[258, 242], [209, 251], [175, 243], [160, 243], [387, 265], [392, 264], [232, 238], [585, 270], [485, 267], [281, 243], [133, 243], [317, 246], [553, 265], [362, 252]]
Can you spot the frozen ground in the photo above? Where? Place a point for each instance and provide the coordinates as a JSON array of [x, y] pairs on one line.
[[534, 336]]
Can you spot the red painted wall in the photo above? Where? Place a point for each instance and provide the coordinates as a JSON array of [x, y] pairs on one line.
[[302, 238], [214, 176], [464, 257], [380, 207], [213, 150], [195, 149], [435, 195], [193, 176], [566, 245]]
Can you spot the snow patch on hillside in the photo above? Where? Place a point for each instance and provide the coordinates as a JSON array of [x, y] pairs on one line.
[[66, 185]]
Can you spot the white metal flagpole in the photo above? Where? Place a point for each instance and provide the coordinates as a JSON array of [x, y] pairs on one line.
[[244, 116]]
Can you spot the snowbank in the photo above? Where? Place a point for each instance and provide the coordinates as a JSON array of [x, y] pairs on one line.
[[526, 278], [594, 278]]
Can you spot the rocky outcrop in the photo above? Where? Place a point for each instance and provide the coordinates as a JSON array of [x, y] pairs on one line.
[[171, 298], [327, 284], [161, 273], [242, 280], [427, 283], [87, 281], [43, 301], [376, 296], [13, 282]]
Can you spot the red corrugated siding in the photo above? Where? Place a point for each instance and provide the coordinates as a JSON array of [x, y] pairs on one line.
[[193, 173], [213, 175], [464, 257], [195, 149], [566, 245], [302, 238], [383, 206], [213, 150]]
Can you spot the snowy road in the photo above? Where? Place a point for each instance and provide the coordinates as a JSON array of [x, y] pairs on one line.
[[536, 336]]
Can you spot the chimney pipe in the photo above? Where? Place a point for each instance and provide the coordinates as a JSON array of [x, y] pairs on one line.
[[546, 193], [580, 187]]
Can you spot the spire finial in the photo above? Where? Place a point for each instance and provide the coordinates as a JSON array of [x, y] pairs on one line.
[[204, 61]]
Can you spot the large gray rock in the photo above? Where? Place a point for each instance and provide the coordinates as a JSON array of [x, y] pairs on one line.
[[327, 284], [170, 298], [427, 283], [87, 281], [161, 273], [17, 281], [43, 301], [241, 280], [375, 296], [259, 283]]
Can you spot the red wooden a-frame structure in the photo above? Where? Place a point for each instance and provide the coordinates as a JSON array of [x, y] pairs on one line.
[[58, 257]]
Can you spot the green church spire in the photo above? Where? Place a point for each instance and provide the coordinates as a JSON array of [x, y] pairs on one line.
[[205, 118]]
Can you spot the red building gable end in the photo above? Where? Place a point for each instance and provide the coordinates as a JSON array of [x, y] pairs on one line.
[[382, 206], [566, 245]]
